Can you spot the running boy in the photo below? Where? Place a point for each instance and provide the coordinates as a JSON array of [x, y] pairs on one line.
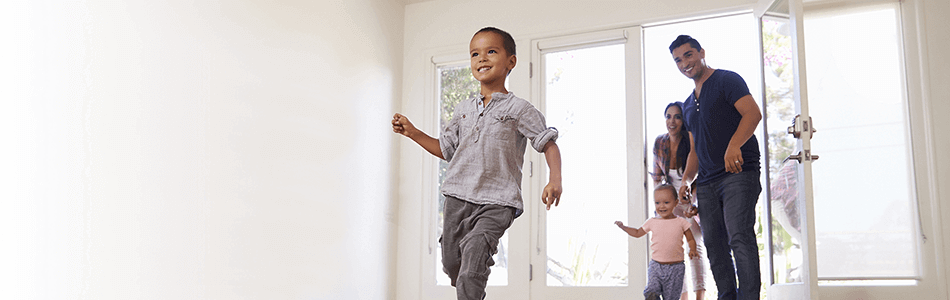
[[484, 144], [666, 270]]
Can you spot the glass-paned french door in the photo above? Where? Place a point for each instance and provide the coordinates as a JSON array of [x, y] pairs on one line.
[[864, 143], [589, 86], [846, 223], [585, 101]]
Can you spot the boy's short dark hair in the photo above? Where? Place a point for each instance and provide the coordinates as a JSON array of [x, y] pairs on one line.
[[508, 40], [683, 39], [667, 186]]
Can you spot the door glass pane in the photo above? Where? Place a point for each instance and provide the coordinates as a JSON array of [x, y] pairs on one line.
[[457, 84], [863, 184], [584, 98], [783, 175]]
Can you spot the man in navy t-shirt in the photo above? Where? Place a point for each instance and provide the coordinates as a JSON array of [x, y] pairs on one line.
[[721, 117]]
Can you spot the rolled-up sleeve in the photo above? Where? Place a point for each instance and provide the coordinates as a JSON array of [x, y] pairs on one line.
[[449, 140], [531, 124]]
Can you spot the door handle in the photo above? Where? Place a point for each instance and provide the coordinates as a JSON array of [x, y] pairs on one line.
[[799, 126], [798, 156], [795, 130]]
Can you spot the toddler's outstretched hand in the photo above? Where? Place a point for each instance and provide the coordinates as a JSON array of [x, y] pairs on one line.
[[693, 254], [634, 232]]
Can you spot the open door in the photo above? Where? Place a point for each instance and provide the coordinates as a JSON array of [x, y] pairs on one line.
[[791, 242]]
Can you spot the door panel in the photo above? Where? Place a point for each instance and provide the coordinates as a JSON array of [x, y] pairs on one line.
[[866, 168], [851, 223], [585, 86], [790, 210]]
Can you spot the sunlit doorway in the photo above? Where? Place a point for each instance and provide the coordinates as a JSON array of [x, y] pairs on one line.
[[730, 43]]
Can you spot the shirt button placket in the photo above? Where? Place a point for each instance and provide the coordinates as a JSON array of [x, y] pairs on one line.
[[477, 119]]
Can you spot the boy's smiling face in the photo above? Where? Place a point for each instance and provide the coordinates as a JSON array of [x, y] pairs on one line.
[[490, 62]]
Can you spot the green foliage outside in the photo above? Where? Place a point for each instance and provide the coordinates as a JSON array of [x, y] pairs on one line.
[[779, 102]]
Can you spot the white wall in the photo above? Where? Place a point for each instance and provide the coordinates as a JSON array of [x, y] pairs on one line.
[[441, 27], [198, 149]]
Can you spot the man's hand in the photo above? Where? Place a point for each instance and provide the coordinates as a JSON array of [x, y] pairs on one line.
[[685, 194], [733, 159], [551, 194]]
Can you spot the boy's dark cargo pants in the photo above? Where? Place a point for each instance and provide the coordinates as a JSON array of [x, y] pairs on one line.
[[469, 239]]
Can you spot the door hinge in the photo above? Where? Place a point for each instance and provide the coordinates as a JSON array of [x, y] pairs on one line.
[[530, 272], [530, 70], [530, 168]]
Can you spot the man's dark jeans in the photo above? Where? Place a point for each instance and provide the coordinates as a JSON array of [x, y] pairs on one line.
[[727, 215]]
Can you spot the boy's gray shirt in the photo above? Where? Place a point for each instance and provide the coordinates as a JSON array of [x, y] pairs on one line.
[[485, 150]]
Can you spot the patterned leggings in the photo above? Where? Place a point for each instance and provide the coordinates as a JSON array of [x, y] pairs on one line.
[[664, 280]]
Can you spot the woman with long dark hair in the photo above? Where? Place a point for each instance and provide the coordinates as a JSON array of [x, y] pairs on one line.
[[670, 152]]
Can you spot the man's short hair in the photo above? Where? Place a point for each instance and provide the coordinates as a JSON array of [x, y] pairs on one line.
[[508, 41], [684, 39]]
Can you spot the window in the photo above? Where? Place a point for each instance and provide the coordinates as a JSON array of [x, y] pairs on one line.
[[585, 101], [866, 225], [456, 84]]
